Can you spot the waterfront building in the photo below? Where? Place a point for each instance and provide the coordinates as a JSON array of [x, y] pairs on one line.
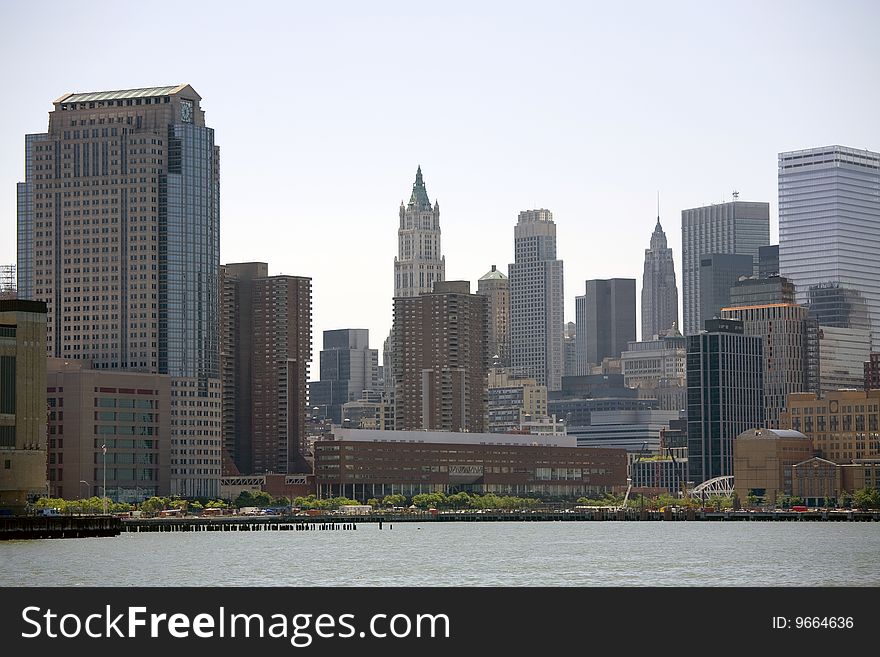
[[606, 320], [725, 395], [763, 460], [441, 359], [365, 464], [829, 222], [790, 350], [719, 272], [536, 300], [119, 234], [266, 349], [667, 470], [112, 418], [659, 290], [22, 402], [496, 286], [843, 424], [726, 228], [820, 482]]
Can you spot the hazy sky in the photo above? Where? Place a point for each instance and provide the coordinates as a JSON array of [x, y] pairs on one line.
[[323, 111]]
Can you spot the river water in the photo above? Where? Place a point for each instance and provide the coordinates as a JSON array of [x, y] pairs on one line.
[[464, 554]]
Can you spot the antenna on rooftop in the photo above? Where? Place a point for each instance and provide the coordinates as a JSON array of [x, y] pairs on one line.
[[735, 195]]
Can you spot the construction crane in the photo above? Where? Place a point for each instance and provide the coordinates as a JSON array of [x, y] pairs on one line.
[[629, 479], [682, 486]]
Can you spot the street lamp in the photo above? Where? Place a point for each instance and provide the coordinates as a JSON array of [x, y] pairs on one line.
[[104, 496], [83, 481]]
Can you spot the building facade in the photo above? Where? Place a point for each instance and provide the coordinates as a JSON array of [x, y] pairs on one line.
[[790, 352], [764, 461], [632, 430], [757, 291], [719, 272], [111, 430], [659, 289], [841, 351], [366, 464], [496, 287], [725, 395], [513, 399], [736, 227], [872, 372], [651, 363], [844, 425], [348, 369], [829, 222], [22, 402], [441, 359], [419, 260], [266, 339], [536, 300], [606, 320], [119, 234]]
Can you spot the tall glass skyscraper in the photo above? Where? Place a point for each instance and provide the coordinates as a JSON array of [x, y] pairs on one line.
[[829, 224], [119, 233], [735, 227]]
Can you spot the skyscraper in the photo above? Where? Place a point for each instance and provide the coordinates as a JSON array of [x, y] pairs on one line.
[[440, 359], [829, 222], [725, 395], [659, 291], [606, 320], [419, 260], [348, 368], [266, 348], [719, 272], [119, 233], [736, 227], [536, 300], [496, 286], [790, 346]]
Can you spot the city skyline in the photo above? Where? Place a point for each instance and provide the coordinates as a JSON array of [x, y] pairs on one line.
[[346, 159]]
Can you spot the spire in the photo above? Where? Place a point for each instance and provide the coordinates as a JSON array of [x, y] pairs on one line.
[[419, 195]]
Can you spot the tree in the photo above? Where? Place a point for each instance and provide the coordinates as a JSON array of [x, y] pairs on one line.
[[373, 502], [153, 505], [867, 498], [394, 499]]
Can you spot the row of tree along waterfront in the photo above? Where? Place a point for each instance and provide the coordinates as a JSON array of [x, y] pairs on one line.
[[863, 499]]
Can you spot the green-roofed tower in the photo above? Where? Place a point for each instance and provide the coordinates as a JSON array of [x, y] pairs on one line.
[[419, 262]]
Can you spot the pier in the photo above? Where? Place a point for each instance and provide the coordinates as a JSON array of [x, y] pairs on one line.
[[30, 527], [354, 522]]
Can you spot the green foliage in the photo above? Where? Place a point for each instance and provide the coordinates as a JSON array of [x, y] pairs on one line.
[[154, 505], [866, 498], [394, 499], [216, 504], [373, 502]]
